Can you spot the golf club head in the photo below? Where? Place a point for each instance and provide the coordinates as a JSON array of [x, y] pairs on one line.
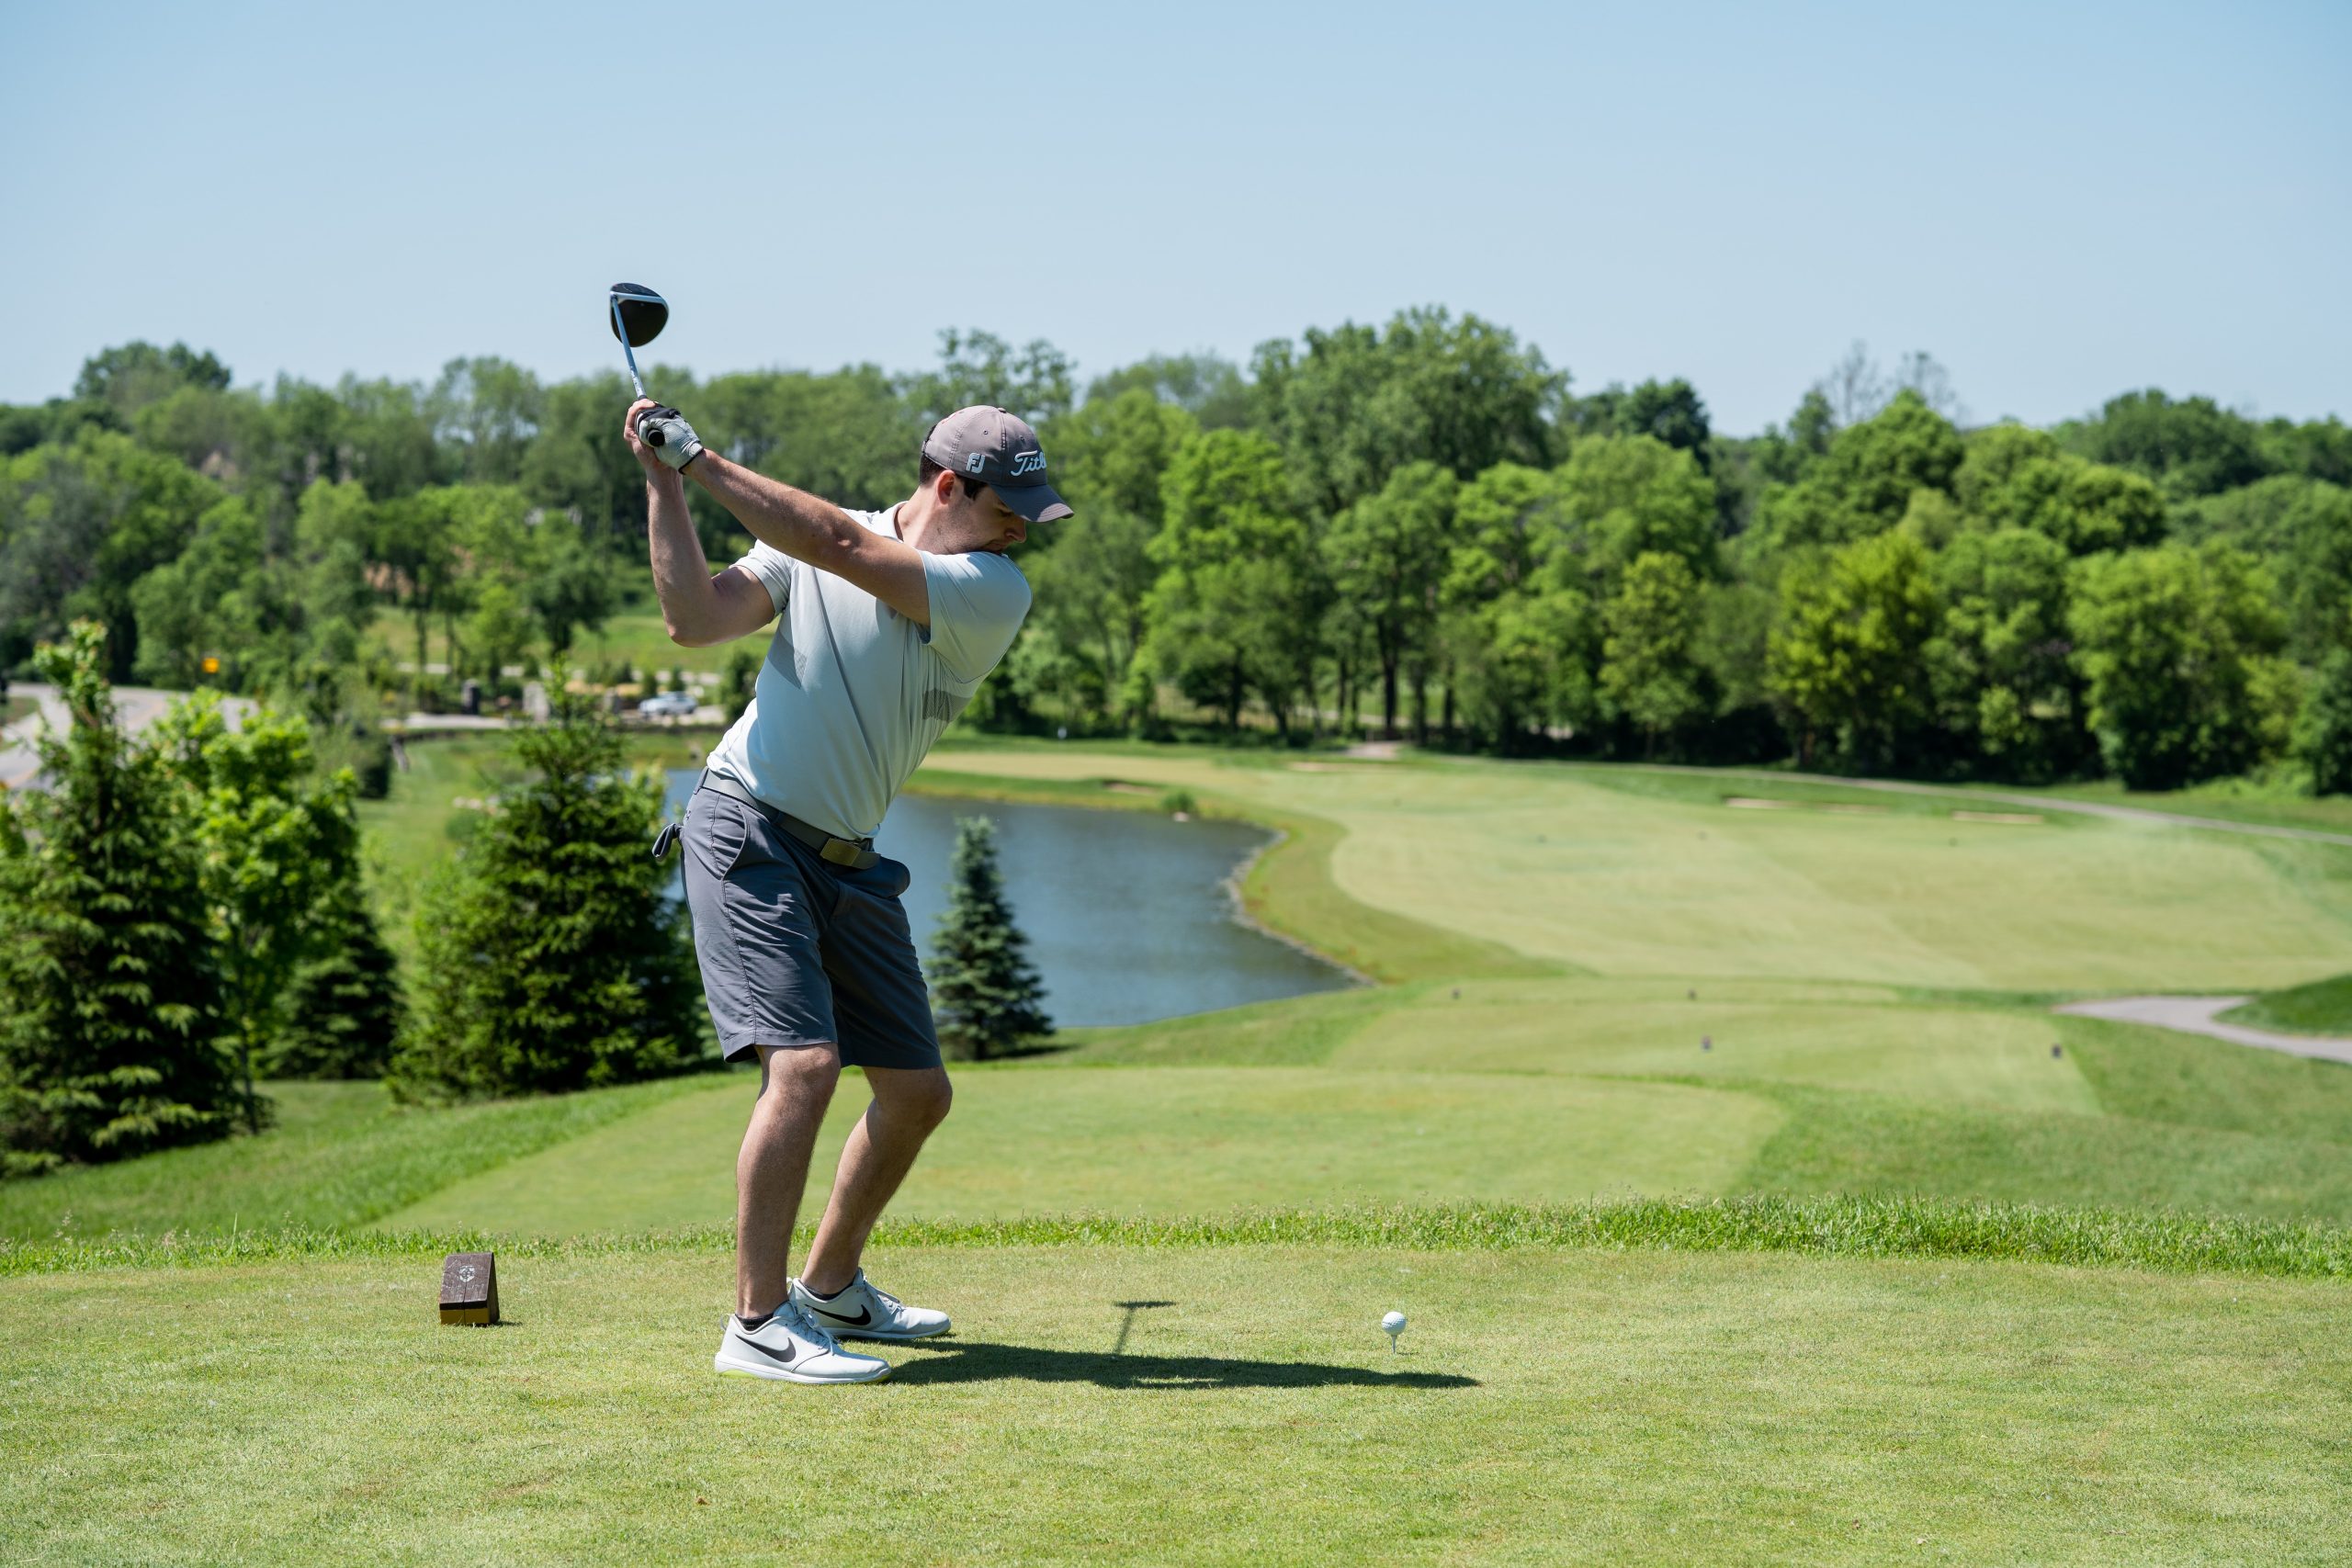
[[638, 314]]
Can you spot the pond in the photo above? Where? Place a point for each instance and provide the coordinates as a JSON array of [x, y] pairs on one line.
[[1126, 912]]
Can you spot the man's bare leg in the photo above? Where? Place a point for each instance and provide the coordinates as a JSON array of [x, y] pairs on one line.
[[908, 1102], [796, 1085]]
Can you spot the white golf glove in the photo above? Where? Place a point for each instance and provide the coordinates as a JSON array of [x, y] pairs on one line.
[[665, 430]]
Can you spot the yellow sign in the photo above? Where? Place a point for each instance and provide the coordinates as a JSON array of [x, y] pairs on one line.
[[211, 665]]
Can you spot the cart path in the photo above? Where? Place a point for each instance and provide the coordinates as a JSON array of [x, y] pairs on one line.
[[2007, 798], [2195, 1015], [135, 708]]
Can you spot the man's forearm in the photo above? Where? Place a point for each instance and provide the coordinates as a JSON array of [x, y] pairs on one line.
[[810, 529], [681, 572], [804, 526]]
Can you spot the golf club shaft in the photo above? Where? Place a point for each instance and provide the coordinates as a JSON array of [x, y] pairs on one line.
[[622, 332]]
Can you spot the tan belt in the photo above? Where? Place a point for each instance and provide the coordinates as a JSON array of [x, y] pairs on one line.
[[857, 854]]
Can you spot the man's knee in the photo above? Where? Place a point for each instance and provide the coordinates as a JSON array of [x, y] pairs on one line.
[[922, 1097], [798, 1072]]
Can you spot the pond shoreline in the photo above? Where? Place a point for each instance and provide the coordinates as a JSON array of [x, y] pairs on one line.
[[947, 785], [1243, 916]]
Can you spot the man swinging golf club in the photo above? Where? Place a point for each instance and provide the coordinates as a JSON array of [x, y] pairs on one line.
[[889, 621]]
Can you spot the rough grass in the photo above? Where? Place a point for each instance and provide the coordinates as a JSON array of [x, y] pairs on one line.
[[1878, 1144], [1833, 1226], [2323, 1007], [341, 1155], [1200, 1403]]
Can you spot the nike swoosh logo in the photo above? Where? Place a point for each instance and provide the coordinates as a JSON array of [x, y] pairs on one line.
[[782, 1358], [864, 1316]]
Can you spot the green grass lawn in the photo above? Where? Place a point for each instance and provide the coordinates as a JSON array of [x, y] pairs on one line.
[[1904, 1353], [340, 1154], [1577, 1406], [1157, 1141], [2323, 1006]]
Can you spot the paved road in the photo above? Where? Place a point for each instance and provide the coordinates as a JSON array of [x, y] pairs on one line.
[[2195, 1015], [135, 706]]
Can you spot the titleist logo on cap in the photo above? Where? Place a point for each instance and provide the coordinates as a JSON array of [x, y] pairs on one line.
[[999, 449]]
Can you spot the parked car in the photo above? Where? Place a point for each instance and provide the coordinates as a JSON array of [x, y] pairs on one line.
[[668, 705]]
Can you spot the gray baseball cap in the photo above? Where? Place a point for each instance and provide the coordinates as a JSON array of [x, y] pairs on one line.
[[998, 448]]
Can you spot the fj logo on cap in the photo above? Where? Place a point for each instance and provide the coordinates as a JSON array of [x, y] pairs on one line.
[[976, 462], [1029, 462]]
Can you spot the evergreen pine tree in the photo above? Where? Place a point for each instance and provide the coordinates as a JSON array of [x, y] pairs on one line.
[[110, 1003], [984, 994], [343, 1008], [550, 958]]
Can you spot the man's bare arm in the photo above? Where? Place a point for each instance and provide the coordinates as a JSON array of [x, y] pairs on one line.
[[697, 609], [811, 529]]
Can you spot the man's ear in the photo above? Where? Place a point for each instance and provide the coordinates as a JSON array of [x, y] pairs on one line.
[[943, 486]]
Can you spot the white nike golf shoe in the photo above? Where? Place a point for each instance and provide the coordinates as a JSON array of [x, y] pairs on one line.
[[789, 1348], [863, 1311]]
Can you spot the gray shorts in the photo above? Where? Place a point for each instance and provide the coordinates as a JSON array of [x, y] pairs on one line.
[[798, 950]]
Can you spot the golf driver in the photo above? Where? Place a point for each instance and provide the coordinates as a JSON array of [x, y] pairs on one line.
[[639, 316]]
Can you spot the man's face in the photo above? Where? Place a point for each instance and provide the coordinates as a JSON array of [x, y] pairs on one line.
[[981, 522]]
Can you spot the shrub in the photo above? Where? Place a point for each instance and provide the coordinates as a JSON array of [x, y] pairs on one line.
[[550, 958], [110, 1002], [2323, 736], [344, 1007], [985, 993]]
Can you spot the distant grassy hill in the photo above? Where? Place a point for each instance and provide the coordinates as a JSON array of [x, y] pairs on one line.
[[1605, 982], [2323, 1006]]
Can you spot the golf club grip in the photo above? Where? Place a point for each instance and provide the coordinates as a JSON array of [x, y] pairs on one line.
[[652, 436]]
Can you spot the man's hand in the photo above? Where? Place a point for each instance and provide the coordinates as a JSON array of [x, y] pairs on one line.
[[658, 435]]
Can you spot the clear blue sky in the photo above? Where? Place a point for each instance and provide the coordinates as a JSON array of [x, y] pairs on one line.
[[2059, 202]]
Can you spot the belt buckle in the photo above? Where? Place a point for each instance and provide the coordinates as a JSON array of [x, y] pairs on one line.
[[841, 852]]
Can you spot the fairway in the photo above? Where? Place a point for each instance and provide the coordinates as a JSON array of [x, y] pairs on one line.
[[1736, 1030], [1622, 872], [1153, 1139], [1551, 1406]]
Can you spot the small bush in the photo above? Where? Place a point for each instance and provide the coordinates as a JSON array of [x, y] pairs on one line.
[[987, 996], [550, 958]]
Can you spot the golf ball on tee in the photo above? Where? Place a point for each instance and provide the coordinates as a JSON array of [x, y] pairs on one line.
[[1393, 1324]]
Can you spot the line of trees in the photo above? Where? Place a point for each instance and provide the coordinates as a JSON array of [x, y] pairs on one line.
[[1416, 528], [1418, 531]]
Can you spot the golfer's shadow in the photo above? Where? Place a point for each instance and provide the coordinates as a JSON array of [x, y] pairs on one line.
[[964, 1360]]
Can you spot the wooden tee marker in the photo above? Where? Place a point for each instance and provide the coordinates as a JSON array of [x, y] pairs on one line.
[[469, 1288]]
